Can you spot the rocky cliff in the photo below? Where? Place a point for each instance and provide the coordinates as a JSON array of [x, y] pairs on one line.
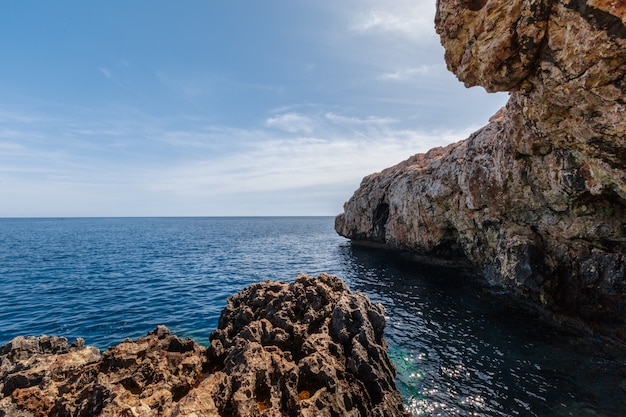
[[308, 348], [537, 198]]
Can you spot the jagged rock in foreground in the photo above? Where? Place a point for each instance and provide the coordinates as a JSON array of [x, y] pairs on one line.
[[537, 198], [308, 348], [44, 376]]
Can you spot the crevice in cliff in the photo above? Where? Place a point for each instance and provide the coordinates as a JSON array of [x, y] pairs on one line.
[[379, 222], [449, 247], [543, 44], [599, 19], [475, 5]]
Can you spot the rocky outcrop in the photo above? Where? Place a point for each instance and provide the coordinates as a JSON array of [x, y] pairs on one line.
[[537, 198], [308, 348], [44, 376]]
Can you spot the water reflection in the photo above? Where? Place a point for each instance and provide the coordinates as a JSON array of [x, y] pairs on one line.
[[462, 351]]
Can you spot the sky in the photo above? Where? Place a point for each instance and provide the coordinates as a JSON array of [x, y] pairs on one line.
[[218, 108]]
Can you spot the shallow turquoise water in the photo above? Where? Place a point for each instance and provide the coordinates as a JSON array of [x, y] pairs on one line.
[[459, 350]]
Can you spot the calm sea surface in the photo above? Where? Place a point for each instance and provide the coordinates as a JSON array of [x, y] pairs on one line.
[[459, 350]]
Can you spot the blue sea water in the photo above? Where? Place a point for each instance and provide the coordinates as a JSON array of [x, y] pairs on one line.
[[459, 350]]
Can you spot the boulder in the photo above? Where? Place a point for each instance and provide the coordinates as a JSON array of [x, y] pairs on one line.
[[307, 348]]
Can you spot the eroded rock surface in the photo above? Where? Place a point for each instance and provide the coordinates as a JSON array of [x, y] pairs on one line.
[[308, 348], [537, 198], [44, 376]]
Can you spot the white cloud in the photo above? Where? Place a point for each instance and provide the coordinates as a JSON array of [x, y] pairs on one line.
[[120, 168], [373, 95], [291, 122], [402, 74], [405, 19], [295, 162]]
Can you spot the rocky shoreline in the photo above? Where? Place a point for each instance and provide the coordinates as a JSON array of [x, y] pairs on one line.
[[307, 348], [537, 198]]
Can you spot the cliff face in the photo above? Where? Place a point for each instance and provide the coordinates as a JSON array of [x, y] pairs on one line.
[[537, 198]]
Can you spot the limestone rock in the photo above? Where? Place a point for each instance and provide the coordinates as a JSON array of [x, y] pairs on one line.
[[308, 348], [537, 198], [31, 367], [45, 376]]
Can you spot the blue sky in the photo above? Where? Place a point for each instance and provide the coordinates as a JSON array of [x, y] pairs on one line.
[[208, 108]]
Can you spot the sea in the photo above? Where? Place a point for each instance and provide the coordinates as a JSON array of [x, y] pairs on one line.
[[460, 348]]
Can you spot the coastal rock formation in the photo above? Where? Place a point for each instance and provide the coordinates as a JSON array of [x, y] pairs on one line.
[[537, 198], [44, 376], [308, 348]]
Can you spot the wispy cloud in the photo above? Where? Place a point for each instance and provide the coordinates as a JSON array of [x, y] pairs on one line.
[[291, 122], [402, 74], [351, 120], [106, 72], [291, 162], [148, 166], [408, 20], [356, 91]]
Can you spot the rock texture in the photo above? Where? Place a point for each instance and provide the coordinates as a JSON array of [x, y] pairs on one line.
[[537, 198], [44, 376], [308, 348]]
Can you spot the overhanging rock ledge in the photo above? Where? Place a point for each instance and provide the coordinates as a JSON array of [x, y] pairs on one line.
[[537, 198]]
